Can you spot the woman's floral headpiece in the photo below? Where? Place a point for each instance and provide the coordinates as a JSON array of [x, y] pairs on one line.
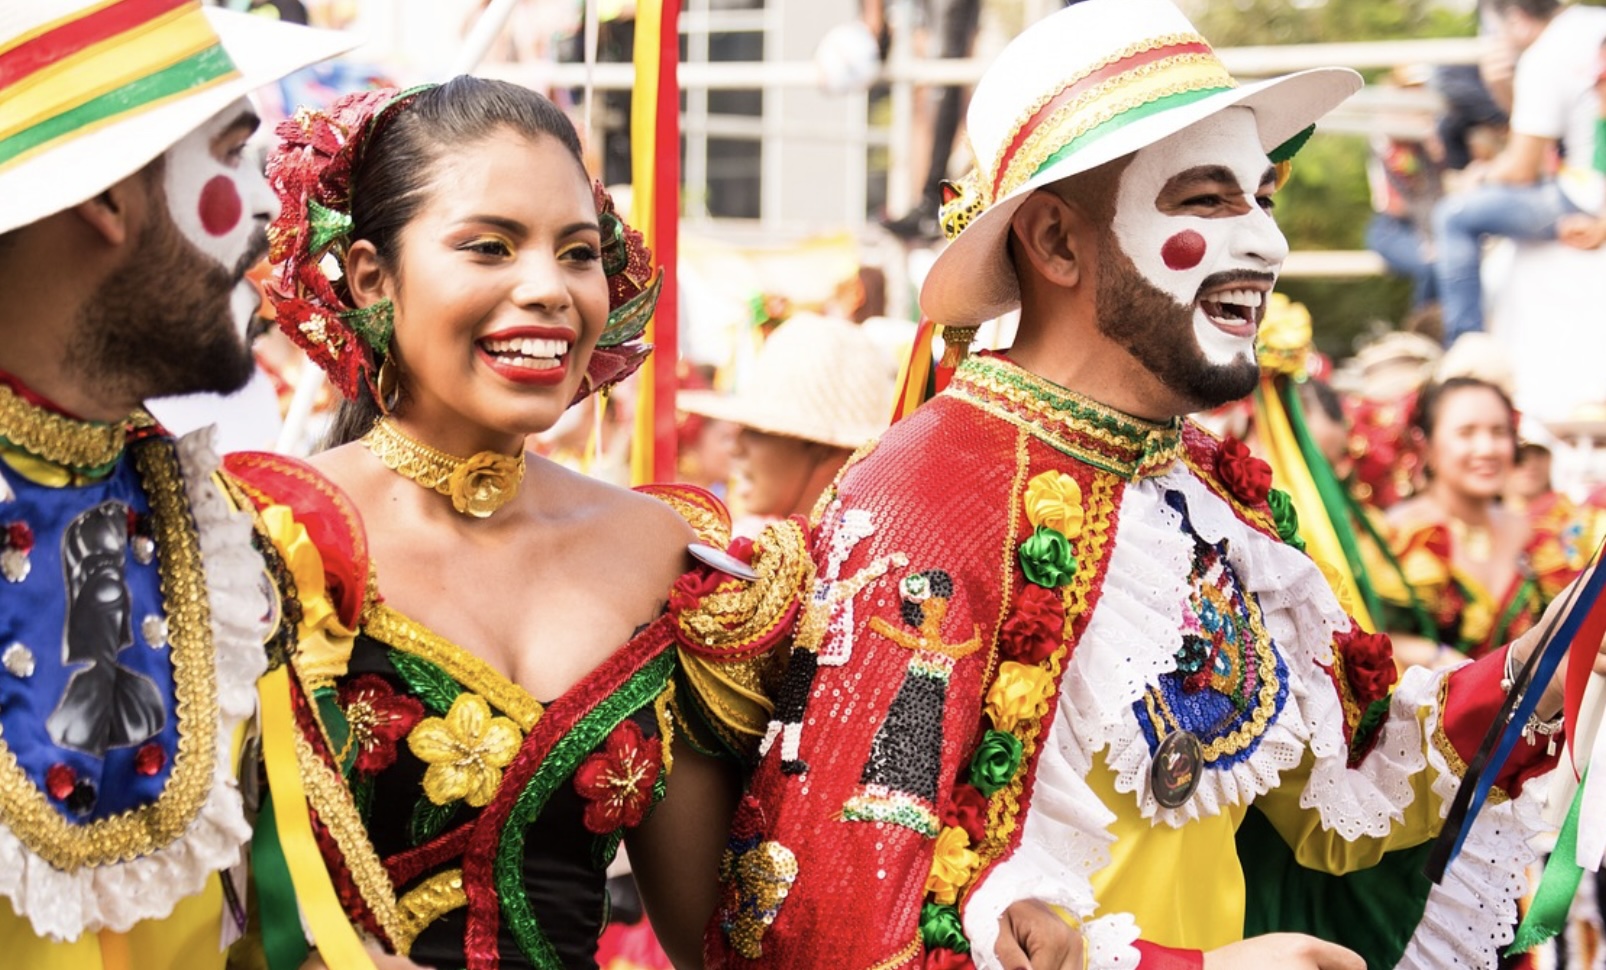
[[311, 173]]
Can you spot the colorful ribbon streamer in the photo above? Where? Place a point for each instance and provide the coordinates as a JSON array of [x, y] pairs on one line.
[[655, 211], [1292, 472], [333, 934], [1512, 718]]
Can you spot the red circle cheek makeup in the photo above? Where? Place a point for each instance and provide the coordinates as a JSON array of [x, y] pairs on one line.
[[1183, 251]]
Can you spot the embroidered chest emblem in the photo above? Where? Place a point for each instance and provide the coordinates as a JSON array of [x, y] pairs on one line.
[[831, 599], [899, 781], [1230, 683]]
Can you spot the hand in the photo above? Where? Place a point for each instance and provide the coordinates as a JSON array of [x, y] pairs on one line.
[[1285, 951], [1550, 704], [1581, 231], [1031, 936]]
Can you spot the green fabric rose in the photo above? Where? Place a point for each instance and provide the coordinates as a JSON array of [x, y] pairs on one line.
[[995, 761], [940, 928], [1046, 559], [1286, 517]]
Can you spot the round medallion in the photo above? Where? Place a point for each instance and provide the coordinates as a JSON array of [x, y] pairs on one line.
[[272, 605], [18, 660], [722, 561], [1174, 774]]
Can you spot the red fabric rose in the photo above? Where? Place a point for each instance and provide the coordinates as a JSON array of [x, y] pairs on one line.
[[1245, 476], [617, 781], [150, 759], [943, 959], [19, 536], [379, 719], [967, 809], [741, 548], [691, 587], [1369, 666], [1036, 628]]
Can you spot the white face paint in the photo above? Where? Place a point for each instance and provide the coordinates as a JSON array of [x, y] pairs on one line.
[[219, 201], [1221, 229]]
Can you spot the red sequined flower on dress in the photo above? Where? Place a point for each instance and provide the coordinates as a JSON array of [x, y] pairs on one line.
[[617, 781], [379, 719], [1247, 477]]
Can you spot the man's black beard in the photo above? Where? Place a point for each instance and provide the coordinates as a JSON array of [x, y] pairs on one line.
[[1158, 332], [161, 323]]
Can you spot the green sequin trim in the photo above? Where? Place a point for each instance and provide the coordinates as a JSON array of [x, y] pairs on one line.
[[558, 766]]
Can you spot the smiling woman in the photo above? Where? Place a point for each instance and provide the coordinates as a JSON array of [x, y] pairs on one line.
[[488, 703], [1484, 572]]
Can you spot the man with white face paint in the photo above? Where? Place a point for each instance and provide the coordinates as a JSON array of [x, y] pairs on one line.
[[135, 616], [1070, 694]]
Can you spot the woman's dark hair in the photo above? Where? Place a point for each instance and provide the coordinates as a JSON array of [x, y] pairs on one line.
[[1431, 401], [392, 175]]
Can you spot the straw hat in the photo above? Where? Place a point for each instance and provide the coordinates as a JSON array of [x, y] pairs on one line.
[[91, 91], [816, 378], [1086, 85]]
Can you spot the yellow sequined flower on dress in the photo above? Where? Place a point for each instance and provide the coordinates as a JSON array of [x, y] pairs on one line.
[[484, 483], [1054, 499], [466, 751], [1017, 693], [951, 865]]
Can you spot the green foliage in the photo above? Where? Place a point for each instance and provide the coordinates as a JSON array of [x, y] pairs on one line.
[[1248, 23]]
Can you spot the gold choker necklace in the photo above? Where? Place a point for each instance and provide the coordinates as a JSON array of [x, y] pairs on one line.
[[477, 486], [87, 447]]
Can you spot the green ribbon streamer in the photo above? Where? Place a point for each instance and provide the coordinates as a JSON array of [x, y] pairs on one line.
[[283, 943], [1557, 886], [1344, 511]]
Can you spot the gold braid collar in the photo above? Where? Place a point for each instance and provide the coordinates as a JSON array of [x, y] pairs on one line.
[[86, 447], [477, 486]]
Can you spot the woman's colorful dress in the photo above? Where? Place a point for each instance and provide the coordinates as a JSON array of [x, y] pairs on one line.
[[459, 820]]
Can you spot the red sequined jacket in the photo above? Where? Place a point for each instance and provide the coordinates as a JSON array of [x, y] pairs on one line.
[[1050, 646]]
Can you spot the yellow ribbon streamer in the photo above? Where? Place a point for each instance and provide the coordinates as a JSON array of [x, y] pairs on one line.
[[332, 933], [1282, 452]]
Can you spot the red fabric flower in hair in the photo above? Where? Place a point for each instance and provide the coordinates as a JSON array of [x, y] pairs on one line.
[[617, 781], [1247, 477], [1036, 627], [379, 719], [967, 809], [944, 959], [1369, 666]]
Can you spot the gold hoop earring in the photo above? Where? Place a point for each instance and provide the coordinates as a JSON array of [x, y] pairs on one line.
[[387, 386]]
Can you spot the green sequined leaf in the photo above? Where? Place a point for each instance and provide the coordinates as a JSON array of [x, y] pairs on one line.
[[327, 225], [362, 795], [429, 820], [430, 684], [604, 848]]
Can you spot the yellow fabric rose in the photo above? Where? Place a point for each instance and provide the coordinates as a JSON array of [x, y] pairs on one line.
[[1054, 499], [323, 647], [951, 865], [466, 751], [1017, 693]]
